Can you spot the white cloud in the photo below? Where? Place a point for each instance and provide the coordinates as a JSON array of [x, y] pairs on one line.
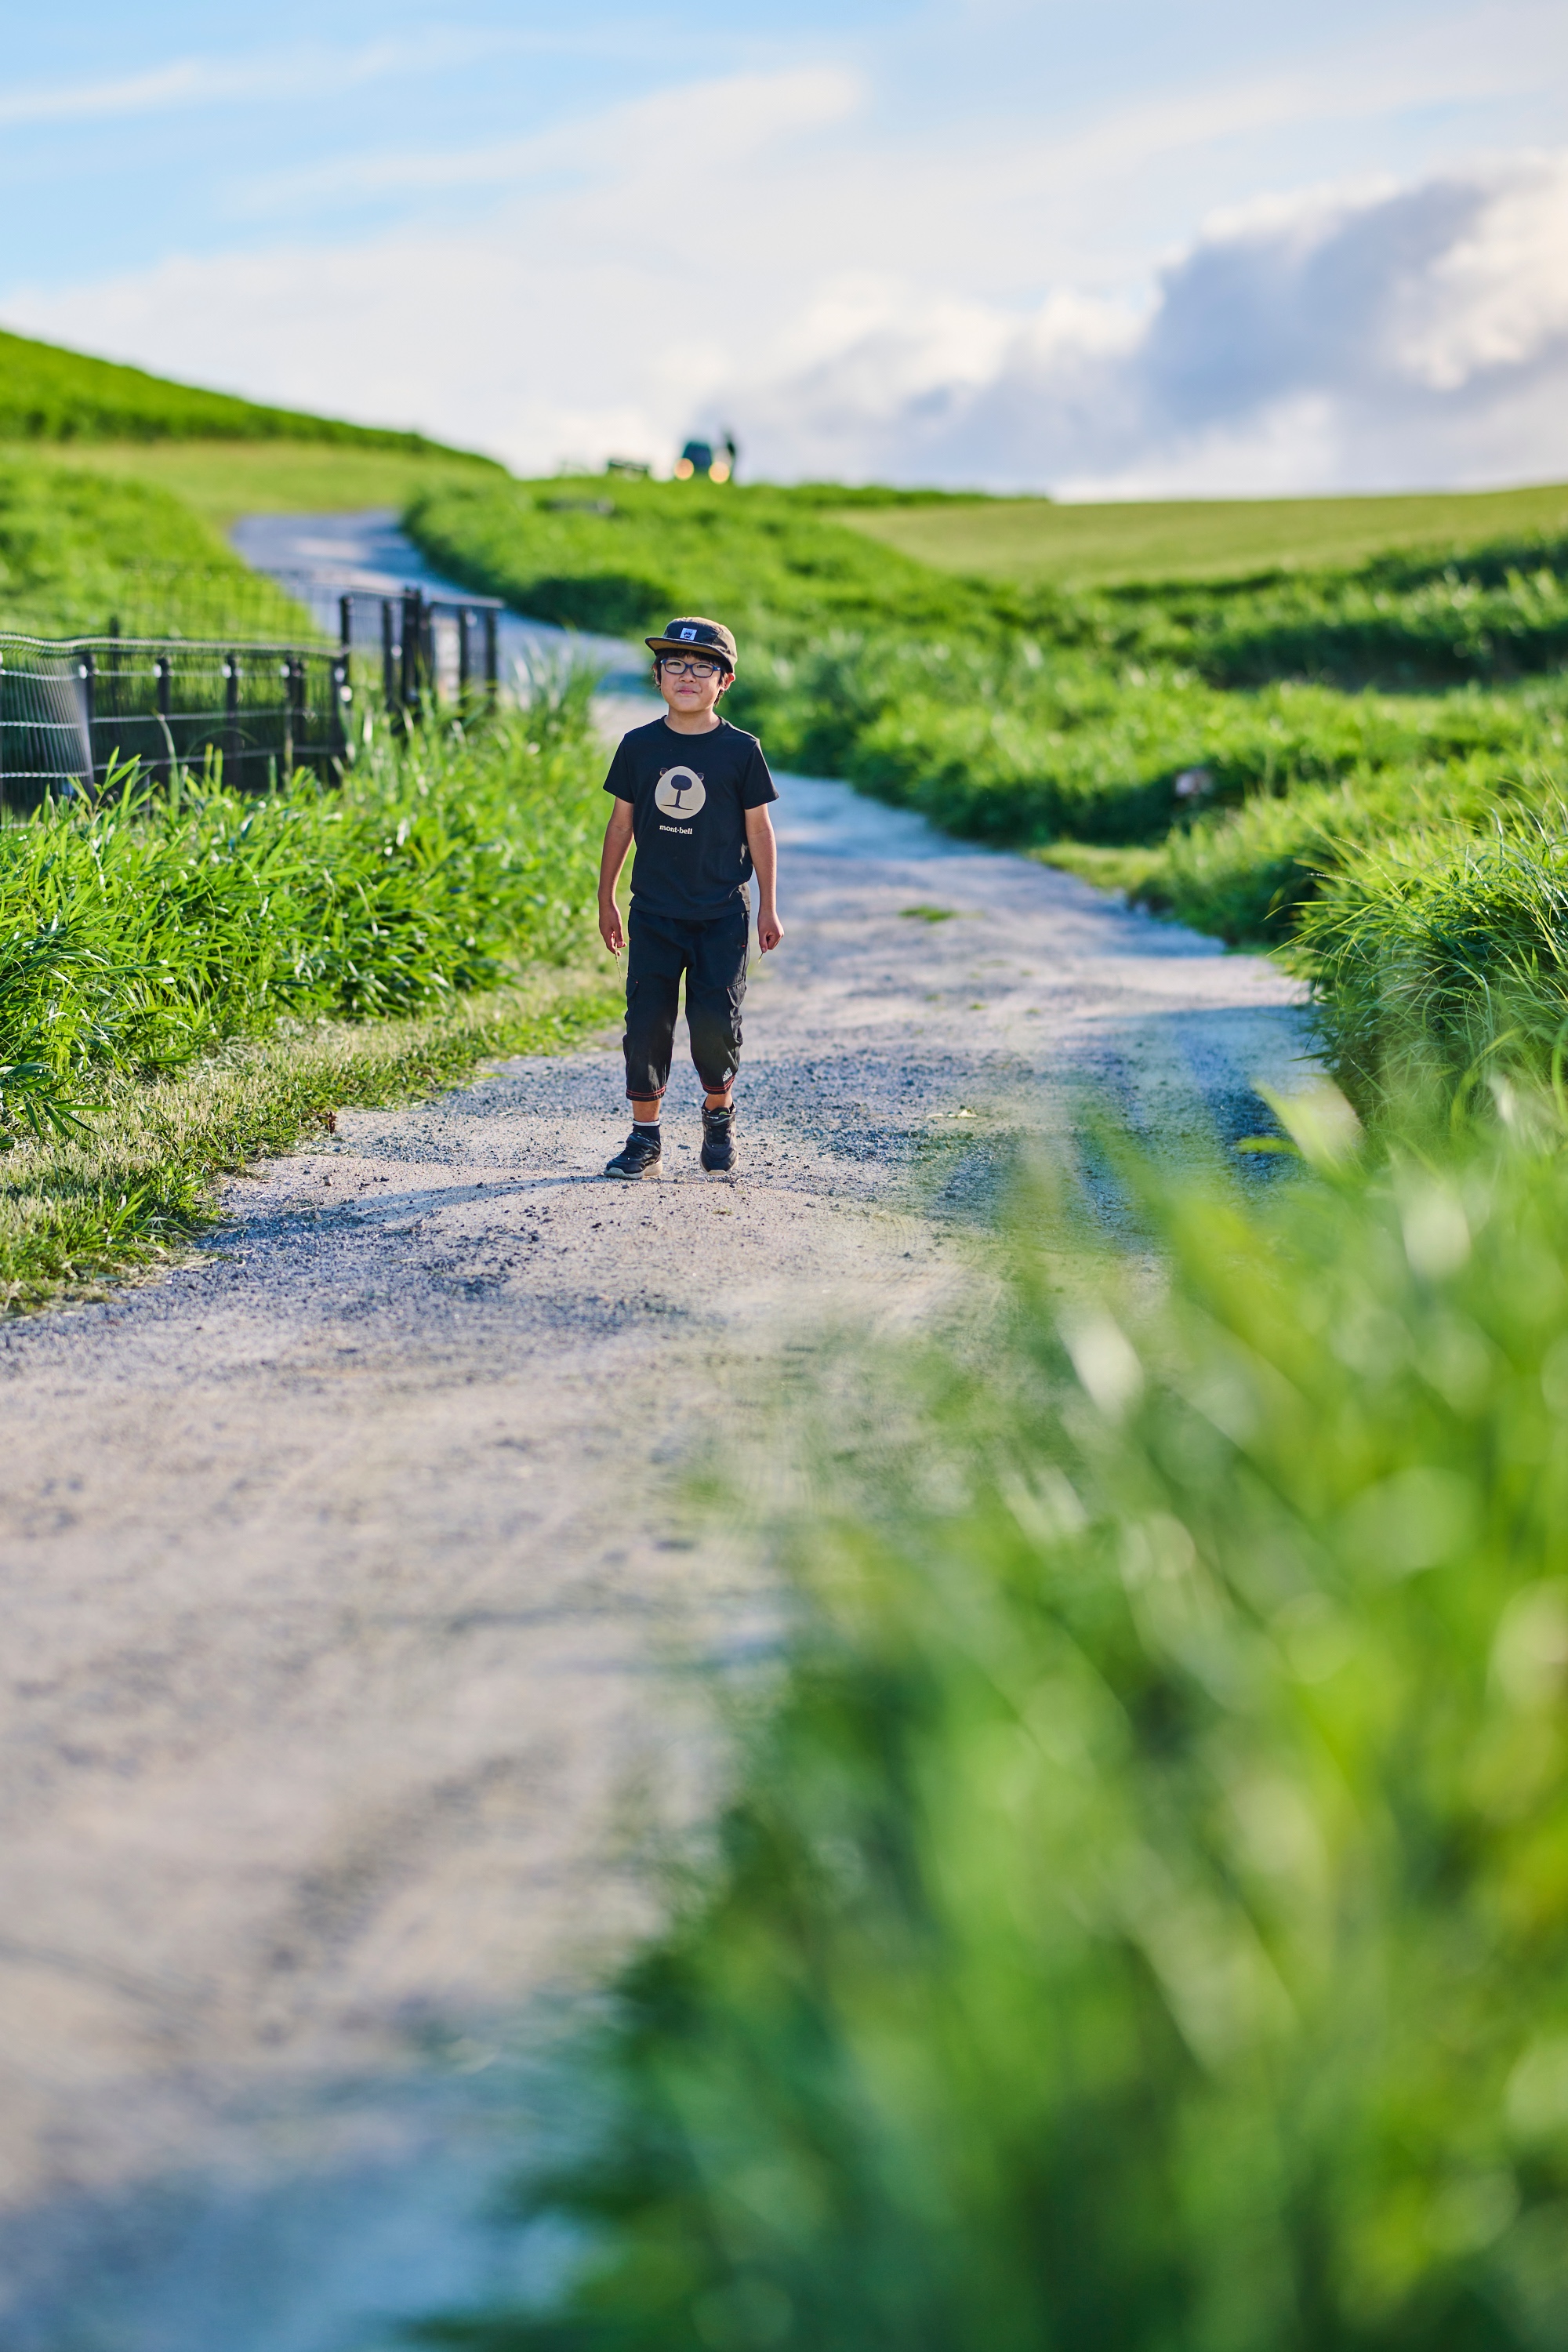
[[1364, 339], [293, 72], [649, 136], [858, 303]]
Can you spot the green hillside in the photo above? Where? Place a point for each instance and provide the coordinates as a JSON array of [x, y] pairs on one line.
[[78, 552], [50, 394], [225, 479]]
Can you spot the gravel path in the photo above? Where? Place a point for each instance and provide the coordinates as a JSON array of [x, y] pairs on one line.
[[340, 1571]]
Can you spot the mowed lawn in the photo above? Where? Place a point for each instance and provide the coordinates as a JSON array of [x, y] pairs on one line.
[[1034, 539]]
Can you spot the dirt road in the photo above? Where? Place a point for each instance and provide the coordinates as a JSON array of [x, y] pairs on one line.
[[340, 1571]]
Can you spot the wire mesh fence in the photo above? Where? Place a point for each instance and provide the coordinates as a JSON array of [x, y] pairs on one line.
[[151, 600], [71, 711]]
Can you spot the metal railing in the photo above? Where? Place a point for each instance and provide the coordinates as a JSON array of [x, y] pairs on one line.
[[434, 651], [70, 710]]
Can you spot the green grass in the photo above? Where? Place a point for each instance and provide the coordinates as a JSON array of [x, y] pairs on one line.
[[50, 394], [1225, 744], [1142, 1916], [764, 561], [1441, 946], [1031, 540], [132, 1187], [79, 550], [221, 480], [152, 933]]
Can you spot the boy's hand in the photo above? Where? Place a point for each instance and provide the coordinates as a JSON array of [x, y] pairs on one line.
[[770, 931], [610, 929]]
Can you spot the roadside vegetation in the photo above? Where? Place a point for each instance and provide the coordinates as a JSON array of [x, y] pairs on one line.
[[1361, 765], [190, 976], [1141, 1916]]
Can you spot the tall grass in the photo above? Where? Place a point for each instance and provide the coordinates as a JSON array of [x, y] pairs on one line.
[[1143, 1920], [145, 928], [187, 976], [1446, 949]]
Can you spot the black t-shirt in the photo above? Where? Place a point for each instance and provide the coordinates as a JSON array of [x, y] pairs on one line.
[[689, 795]]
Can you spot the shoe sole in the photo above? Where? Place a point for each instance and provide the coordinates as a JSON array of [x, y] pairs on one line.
[[719, 1166], [633, 1176]]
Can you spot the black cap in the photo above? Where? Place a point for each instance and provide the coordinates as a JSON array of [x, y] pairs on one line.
[[699, 635]]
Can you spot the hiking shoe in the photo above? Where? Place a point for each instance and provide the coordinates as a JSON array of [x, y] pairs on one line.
[[641, 1156], [719, 1139]]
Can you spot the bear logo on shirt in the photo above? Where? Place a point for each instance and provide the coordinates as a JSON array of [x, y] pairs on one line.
[[679, 793]]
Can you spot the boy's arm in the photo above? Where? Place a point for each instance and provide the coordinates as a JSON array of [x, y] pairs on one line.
[[617, 841], [764, 852]]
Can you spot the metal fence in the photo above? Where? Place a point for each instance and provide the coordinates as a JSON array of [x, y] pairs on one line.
[[69, 710], [433, 652]]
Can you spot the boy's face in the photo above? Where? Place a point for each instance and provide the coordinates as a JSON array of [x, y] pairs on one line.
[[687, 691]]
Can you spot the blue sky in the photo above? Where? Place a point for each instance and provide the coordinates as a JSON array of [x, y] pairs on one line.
[[1032, 246]]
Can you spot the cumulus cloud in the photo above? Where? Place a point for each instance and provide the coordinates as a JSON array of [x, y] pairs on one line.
[[857, 310], [1364, 339]]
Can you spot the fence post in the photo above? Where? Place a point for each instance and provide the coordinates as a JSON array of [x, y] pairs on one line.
[[346, 623], [492, 664], [164, 767], [464, 666], [231, 751], [342, 692], [89, 712], [413, 647], [388, 658], [299, 705], [2, 731]]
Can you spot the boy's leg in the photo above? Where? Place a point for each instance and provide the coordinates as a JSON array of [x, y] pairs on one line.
[[715, 991], [655, 957], [653, 984]]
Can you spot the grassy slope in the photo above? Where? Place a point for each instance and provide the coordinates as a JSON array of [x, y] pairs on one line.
[[1031, 540], [767, 560], [220, 481], [116, 486], [77, 547], [50, 394]]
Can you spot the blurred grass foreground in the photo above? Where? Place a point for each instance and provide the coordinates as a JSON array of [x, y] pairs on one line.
[[1143, 1920]]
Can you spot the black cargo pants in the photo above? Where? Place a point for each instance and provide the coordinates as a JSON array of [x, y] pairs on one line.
[[712, 956]]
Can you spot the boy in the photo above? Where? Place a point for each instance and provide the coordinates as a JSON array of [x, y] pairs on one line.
[[693, 792]]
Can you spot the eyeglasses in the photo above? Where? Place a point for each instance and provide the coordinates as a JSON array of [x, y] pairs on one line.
[[688, 669]]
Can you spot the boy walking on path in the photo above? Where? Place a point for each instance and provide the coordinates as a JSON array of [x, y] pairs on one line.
[[692, 792]]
